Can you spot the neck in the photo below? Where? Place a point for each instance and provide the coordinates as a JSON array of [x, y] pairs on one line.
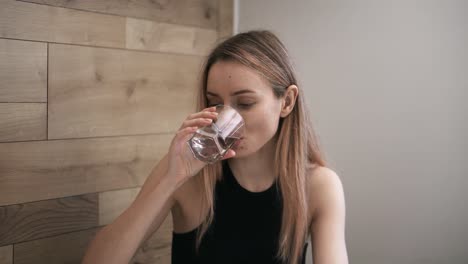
[[255, 172]]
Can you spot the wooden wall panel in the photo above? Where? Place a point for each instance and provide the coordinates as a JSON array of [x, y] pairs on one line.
[[28, 21], [23, 70], [226, 18], [21, 20], [31, 171], [149, 35], [157, 249], [6, 255], [36, 220], [23, 121], [118, 92], [67, 248], [70, 248], [91, 94], [187, 12], [113, 203]]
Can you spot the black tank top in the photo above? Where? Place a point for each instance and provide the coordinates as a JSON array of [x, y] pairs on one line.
[[245, 228]]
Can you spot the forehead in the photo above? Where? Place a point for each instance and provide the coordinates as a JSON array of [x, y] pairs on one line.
[[225, 78]]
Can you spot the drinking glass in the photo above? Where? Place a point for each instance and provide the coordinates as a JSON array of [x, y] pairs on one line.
[[210, 143]]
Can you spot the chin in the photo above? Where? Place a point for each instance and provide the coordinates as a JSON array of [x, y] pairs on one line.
[[241, 152]]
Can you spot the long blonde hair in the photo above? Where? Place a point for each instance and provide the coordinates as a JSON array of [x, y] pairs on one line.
[[296, 146]]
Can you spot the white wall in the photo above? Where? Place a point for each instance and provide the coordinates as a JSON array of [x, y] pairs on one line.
[[386, 82]]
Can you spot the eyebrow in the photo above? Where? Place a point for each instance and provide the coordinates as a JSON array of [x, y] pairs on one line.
[[234, 93]]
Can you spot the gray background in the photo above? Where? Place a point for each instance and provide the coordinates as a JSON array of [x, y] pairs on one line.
[[386, 85]]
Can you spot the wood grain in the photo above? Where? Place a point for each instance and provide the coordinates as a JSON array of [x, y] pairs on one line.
[[21, 20], [91, 94], [6, 255], [23, 71], [28, 21], [149, 35], [23, 121], [113, 203], [187, 12], [226, 19], [67, 248], [38, 170], [157, 249], [118, 92], [36, 220]]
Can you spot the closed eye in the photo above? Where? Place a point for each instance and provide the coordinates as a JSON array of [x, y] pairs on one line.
[[243, 106], [246, 106]]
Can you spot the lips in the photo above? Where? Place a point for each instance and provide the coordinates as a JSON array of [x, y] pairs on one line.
[[237, 143]]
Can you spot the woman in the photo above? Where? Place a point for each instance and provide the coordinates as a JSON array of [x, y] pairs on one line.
[[265, 197]]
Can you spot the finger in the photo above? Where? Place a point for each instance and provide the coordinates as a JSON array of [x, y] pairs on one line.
[[212, 108], [205, 114], [188, 131], [187, 136], [180, 140], [209, 109], [200, 122], [229, 154]]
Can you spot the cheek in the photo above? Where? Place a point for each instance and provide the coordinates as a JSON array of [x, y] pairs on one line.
[[261, 125]]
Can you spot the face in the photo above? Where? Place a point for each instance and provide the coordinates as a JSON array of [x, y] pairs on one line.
[[238, 86]]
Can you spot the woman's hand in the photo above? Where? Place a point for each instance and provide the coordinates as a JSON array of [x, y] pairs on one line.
[[181, 162]]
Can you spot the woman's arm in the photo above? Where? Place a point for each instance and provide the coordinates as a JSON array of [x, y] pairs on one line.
[[327, 227], [118, 241]]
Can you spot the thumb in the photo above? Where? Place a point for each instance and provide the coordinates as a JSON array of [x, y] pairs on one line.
[[229, 154]]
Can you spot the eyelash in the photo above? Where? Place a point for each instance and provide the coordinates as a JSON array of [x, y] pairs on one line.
[[245, 106]]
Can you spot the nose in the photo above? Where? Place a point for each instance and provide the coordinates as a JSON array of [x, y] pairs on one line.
[[229, 105]]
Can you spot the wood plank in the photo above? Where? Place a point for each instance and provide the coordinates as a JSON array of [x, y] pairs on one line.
[[70, 248], [157, 249], [20, 20], [149, 35], [187, 12], [113, 203], [23, 71], [28, 21], [119, 92], [6, 254], [67, 248], [23, 121], [226, 18], [38, 170], [30, 221]]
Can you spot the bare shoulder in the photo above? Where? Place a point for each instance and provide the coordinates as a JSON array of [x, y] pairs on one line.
[[324, 188], [319, 177]]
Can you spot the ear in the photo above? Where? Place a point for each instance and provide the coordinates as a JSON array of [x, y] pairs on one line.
[[289, 100]]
